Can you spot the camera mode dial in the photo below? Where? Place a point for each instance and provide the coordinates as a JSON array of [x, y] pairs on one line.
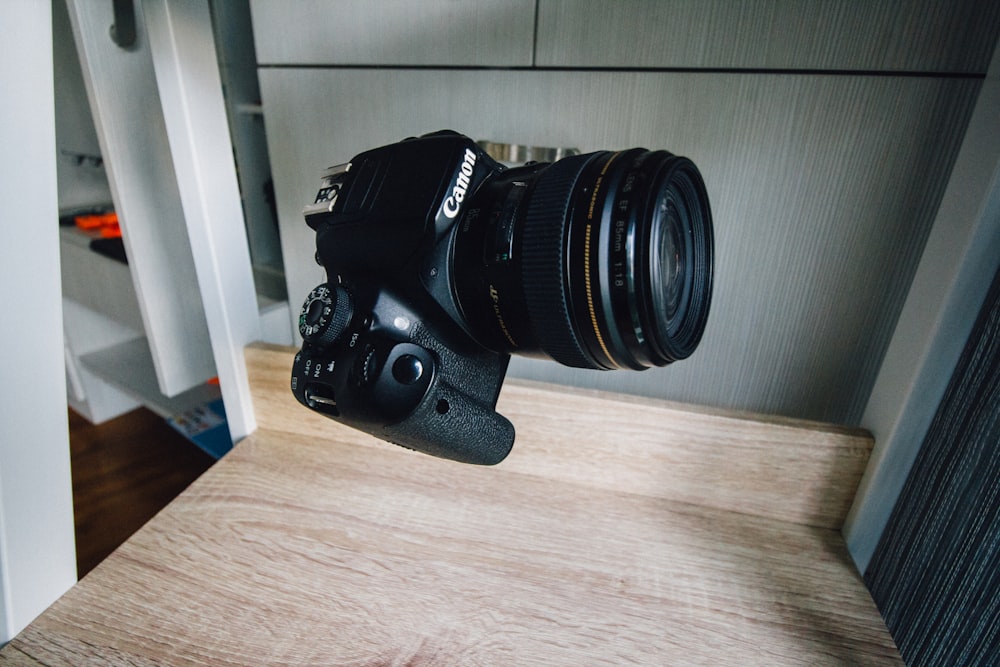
[[325, 315]]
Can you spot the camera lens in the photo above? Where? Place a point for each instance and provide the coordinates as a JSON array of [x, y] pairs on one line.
[[601, 261]]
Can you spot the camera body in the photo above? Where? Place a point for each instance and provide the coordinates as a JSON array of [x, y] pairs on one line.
[[386, 347], [441, 262]]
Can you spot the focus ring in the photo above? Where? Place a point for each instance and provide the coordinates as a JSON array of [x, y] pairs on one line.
[[544, 265]]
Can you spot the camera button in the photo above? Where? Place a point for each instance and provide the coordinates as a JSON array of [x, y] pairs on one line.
[[368, 367], [407, 369]]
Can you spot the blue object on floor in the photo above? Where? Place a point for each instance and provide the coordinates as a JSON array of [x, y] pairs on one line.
[[205, 426]]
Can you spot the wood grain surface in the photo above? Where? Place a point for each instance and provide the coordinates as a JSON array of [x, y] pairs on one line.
[[124, 472], [302, 548], [787, 469]]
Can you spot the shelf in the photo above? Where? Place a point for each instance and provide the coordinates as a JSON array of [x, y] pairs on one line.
[[97, 282], [129, 366], [619, 531]]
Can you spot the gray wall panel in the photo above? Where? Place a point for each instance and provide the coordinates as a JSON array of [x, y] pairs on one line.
[[916, 35], [823, 190], [397, 32]]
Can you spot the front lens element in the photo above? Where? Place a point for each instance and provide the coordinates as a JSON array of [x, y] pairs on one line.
[[668, 260]]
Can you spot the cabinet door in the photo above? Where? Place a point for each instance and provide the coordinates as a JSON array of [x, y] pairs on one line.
[[876, 35], [823, 189], [394, 32]]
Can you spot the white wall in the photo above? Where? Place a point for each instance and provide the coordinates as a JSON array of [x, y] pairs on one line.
[[37, 551]]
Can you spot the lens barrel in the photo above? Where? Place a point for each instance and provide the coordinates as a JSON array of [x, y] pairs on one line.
[[600, 261]]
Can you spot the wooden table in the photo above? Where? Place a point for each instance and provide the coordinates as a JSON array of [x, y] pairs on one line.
[[620, 530]]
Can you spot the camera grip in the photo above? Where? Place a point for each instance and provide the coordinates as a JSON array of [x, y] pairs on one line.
[[456, 418], [451, 424]]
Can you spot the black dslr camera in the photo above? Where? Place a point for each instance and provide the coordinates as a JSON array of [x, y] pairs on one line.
[[442, 262]]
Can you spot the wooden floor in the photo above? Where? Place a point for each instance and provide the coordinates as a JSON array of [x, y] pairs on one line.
[[124, 472]]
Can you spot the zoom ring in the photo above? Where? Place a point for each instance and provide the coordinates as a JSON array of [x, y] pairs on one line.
[[544, 266]]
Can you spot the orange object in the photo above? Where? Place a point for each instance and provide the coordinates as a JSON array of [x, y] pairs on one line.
[[104, 224]]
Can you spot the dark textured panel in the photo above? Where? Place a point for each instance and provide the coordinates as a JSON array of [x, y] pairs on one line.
[[936, 572]]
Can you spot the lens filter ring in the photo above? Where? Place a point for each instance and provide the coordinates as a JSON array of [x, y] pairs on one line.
[[660, 295], [592, 232], [643, 277]]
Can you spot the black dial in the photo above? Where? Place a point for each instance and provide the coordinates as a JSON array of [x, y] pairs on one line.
[[325, 315]]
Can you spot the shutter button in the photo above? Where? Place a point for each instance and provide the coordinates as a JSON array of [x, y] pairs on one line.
[[407, 369]]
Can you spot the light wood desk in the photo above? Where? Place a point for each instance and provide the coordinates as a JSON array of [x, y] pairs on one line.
[[619, 530]]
